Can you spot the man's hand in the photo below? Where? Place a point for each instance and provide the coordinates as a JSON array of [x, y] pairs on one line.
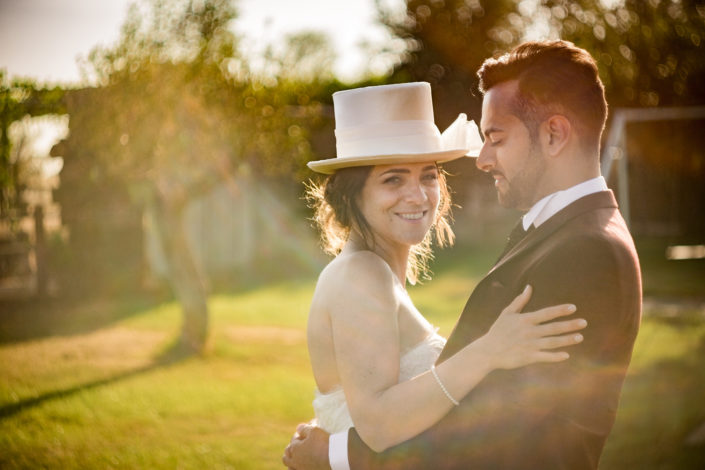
[[308, 449]]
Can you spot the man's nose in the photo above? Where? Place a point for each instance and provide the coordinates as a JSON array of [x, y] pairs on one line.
[[485, 160]]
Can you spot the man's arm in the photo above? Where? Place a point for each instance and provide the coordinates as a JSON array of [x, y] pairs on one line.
[[308, 449], [577, 400]]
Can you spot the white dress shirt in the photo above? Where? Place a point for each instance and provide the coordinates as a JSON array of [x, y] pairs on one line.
[[537, 215], [338, 451], [555, 202]]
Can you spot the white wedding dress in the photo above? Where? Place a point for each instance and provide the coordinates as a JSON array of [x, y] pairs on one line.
[[331, 409]]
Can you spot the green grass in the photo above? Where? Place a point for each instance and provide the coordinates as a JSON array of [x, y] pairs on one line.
[[86, 385], [670, 278], [104, 399], [662, 401]]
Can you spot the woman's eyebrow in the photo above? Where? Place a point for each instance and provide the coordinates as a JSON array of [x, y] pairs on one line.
[[406, 170], [395, 170]]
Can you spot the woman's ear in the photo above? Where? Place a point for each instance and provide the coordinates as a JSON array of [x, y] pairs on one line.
[[556, 133]]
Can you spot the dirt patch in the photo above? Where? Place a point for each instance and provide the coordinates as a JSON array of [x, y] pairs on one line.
[[265, 334], [112, 348]]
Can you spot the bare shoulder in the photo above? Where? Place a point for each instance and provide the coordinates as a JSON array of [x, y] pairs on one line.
[[360, 262], [359, 277]]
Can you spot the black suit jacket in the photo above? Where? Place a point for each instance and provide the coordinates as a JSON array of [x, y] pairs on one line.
[[544, 416]]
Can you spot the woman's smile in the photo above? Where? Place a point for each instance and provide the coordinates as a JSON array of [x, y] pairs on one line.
[[412, 215]]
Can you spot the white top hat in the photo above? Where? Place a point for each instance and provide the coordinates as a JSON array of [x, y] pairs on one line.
[[387, 124]]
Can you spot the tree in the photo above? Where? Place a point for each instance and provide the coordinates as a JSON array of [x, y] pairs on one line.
[[305, 57], [650, 53], [177, 112], [150, 127]]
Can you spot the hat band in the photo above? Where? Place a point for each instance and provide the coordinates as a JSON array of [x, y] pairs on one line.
[[392, 138]]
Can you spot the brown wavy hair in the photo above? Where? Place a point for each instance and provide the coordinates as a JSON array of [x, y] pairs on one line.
[[336, 214]]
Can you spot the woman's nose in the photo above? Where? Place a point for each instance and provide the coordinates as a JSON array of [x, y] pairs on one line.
[[416, 193]]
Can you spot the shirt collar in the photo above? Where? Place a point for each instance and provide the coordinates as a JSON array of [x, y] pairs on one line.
[[553, 203]]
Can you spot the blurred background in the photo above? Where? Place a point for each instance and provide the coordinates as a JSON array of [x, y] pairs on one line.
[[156, 257]]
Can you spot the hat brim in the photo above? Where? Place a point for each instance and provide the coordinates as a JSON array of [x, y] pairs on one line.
[[330, 165]]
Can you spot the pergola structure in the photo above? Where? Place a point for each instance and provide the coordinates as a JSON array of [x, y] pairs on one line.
[[615, 149]]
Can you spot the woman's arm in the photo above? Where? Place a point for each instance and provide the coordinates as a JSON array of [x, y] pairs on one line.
[[363, 310]]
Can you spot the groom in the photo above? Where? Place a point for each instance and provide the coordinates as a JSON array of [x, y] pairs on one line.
[[543, 114]]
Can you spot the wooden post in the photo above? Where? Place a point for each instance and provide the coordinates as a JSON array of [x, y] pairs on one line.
[[40, 251], [623, 182]]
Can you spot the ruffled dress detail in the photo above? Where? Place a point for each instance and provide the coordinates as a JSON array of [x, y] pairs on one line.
[[332, 413]]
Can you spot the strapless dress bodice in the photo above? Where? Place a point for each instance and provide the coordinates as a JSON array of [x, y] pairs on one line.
[[332, 413]]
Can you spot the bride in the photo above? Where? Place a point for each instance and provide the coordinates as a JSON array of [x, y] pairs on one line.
[[372, 352]]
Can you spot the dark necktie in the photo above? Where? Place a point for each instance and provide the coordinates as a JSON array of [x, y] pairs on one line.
[[515, 236]]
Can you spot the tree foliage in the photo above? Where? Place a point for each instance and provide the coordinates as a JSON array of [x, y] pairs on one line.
[[650, 53], [179, 111], [447, 41]]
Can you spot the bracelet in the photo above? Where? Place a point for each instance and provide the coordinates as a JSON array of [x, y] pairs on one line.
[[443, 387]]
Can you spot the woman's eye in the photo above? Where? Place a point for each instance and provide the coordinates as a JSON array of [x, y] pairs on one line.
[[430, 176], [391, 179]]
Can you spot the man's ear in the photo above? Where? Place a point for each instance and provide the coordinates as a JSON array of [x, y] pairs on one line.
[[556, 133]]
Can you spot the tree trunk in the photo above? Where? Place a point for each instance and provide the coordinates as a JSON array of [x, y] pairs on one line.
[[184, 278]]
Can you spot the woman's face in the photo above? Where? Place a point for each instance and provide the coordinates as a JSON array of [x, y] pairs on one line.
[[399, 202]]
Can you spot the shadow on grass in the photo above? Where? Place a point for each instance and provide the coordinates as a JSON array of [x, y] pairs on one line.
[[34, 318], [24, 320], [174, 354]]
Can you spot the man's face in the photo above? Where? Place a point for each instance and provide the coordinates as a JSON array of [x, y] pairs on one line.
[[509, 153]]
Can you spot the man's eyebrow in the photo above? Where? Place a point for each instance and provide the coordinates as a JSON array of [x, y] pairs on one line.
[[489, 131]]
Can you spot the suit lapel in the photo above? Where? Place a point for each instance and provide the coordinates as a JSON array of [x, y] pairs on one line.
[[602, 199], [479, 312]]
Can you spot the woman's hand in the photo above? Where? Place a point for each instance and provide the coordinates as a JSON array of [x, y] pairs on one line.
[[518, 339]]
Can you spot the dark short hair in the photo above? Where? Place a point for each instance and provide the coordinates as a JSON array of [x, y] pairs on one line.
[[555, 77]]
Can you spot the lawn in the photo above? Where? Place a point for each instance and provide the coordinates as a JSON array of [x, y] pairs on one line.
[[93, 385]]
